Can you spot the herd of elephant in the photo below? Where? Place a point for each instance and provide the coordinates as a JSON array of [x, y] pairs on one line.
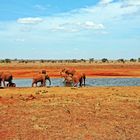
[[71, 78]]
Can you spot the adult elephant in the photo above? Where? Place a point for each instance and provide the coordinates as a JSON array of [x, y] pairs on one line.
[[41, 78], [79, 78], [76, 76], [68, 80], [6, 77], [68, 71], [74, 80]]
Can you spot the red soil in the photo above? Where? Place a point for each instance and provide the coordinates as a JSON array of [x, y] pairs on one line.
[[91, 113], [91, 70]]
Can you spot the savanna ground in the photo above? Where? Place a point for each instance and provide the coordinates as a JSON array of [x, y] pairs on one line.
[[22, 70], [66, 113]]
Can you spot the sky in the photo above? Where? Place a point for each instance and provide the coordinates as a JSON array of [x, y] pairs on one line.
[[69, 29]]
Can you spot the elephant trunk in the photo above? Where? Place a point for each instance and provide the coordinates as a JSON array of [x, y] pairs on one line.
[[49, 80]]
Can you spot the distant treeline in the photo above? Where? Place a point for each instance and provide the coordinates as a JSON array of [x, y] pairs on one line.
[[91, 60]]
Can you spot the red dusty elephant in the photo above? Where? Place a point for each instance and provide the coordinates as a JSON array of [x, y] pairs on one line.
[[6, 77], [68, 80], [77, 77], [68, 71], [41, 78]]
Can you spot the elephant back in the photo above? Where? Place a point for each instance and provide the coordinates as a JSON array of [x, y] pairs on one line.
[[38, 77], [68, 71], [6, 76]]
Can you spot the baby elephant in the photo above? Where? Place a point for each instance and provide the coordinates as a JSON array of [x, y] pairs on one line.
[[41, 78]]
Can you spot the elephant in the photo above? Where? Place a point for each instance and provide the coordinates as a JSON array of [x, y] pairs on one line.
[[74, 80], [79, 78], [68, 80], [41, 78], [67, 71], [76, 76], [6, 77]]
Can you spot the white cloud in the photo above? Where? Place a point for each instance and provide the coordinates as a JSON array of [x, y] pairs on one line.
[[98, 19], [105, 1], [75, 26], [40, 7], [92, 18], [92, 25], [132, 2], [29, 20], [92, 28]]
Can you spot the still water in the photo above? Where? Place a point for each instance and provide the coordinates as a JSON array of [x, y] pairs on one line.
[[89, 82]]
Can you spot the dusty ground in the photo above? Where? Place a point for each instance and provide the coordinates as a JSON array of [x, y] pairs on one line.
[[92, 70], [64, 113]]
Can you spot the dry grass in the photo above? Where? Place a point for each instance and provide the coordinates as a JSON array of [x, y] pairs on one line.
[[58, 113]]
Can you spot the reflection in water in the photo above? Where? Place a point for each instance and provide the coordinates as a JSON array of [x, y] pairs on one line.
[[89, 82]]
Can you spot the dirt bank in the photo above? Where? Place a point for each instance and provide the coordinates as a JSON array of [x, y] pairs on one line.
[[91, 70]]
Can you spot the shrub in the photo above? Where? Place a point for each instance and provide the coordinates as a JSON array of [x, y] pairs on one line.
[[104, 60]]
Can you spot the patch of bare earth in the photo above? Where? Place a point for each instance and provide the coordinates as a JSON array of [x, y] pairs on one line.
[[91, 70], [58, 113]]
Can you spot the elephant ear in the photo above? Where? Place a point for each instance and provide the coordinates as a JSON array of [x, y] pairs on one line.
[[1, 73]]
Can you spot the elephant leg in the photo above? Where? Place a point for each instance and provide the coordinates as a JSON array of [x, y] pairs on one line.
[[76, 81], [12, 85], [41, 84], [44, 83], [32, 84], [80, 82], [75, 84], [8, 85], [10, 81], [84, 78], [3, 83]]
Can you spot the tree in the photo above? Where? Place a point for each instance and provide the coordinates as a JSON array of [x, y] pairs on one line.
[[74, 61], [121, 60], [7, 60], [82, 60], [138, 59], [42, 61], [133, 60], [104, 60], [91, 60]]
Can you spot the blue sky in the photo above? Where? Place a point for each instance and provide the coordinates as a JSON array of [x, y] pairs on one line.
[[48, 29]]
